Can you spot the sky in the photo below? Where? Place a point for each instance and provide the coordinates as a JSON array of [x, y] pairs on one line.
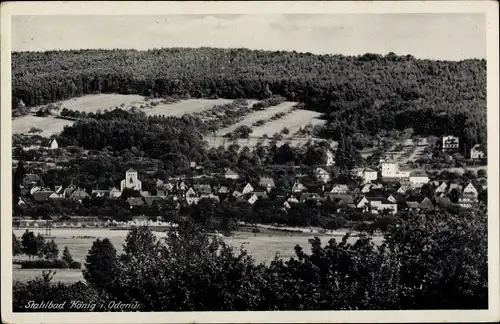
[[433, 36]]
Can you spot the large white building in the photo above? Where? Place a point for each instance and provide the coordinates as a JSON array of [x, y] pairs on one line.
[[450, 143], [390, 169], [131, 181]]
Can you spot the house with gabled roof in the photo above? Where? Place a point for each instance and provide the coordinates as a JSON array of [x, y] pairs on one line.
[[44, 195], [441, 187], [322, 175], [230, 174], [114, 193], [470, 191], [247, 189], [377, 205], [223, 190], [366, 188], [367, 174], [419, 178], [267, 182], [298, 187], [419, 202], [342, 200], [340, 189], [402, 189]]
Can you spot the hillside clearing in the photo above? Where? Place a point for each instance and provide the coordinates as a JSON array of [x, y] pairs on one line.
[[49, 125], [293, 121], [258, 115]]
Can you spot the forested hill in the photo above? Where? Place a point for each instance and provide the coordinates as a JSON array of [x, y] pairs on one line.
[[372, 91]]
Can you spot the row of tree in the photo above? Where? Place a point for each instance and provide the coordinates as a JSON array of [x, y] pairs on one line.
[[357, 94], [425, 262]]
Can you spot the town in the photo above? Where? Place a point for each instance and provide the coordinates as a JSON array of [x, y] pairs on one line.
[[384, 190]]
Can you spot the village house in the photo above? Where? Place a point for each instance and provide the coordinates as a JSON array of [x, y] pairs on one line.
[[441, 187], [376, 205], [367, 174], [390, 169], [418, 178], [418, 203], [450, 143], [223, 190], [230, 174], [470, 192], [322, 175], [342, 200], [267, 182], [366, 188], [402, 189], [44, 195], [114, 193], [476, 152], [330, 158], [340, 189], [298, 187], [131, 181], [54, 145], [247, 189]]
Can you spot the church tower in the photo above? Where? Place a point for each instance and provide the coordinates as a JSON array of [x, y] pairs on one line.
[[131, 181]]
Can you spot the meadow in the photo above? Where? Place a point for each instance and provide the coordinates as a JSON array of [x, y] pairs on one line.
[[255, 116], [49, 125], [262, 246], [293, 121]]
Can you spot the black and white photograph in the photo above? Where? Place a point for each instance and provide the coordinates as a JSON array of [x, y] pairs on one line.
[[201, 159]]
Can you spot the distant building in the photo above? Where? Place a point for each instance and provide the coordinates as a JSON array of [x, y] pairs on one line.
[[366, 174], [54, 145], [322, 175], [131, 181], [450, 143], [418, 178], [298, 187], [476, 152], [377, 205], [470, 192], [340, 189], [267, 182], [390, 169], [230, 174], [330, 158], [114, 193]]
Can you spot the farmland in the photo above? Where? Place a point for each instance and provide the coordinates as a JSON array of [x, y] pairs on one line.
[[258, 115], [293, 121], [262, 246], [49, 125]]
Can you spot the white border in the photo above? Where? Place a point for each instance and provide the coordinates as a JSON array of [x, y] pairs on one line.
[[489, 8]]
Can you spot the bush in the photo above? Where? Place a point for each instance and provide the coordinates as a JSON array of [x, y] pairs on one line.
[[75, 265], [44, 264]]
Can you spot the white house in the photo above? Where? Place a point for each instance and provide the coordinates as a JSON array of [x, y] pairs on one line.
[[476, 152], [230, 174], [247, 189], [114, 193], [322, 175], [470, 191], [377, 204], [366, 188], [54, 145], [267, 183], [253, 198], [298, 187], [131, 181], [441, 188], [340, 189], [366, 174], [450, 143], [390, 169], [330, 158], [418, 178]]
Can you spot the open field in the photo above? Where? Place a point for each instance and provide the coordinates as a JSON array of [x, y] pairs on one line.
[[293, 121], [185, 107], [251, 118], [49, 125], [252, 141], [262, 246], [93, 103]]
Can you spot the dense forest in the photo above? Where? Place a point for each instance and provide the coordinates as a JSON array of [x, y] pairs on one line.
[[363, 94]]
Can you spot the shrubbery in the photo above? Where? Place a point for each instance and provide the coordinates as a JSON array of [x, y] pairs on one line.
[[426, 262], [50, 264]]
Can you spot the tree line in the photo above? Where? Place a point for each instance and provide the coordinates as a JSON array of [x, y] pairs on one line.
[[441, 265], [392, 92]]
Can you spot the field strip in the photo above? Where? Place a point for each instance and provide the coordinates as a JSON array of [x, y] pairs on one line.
[[258, 115], [185, 107], [293, 121], [49, 125], [93, 103]]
